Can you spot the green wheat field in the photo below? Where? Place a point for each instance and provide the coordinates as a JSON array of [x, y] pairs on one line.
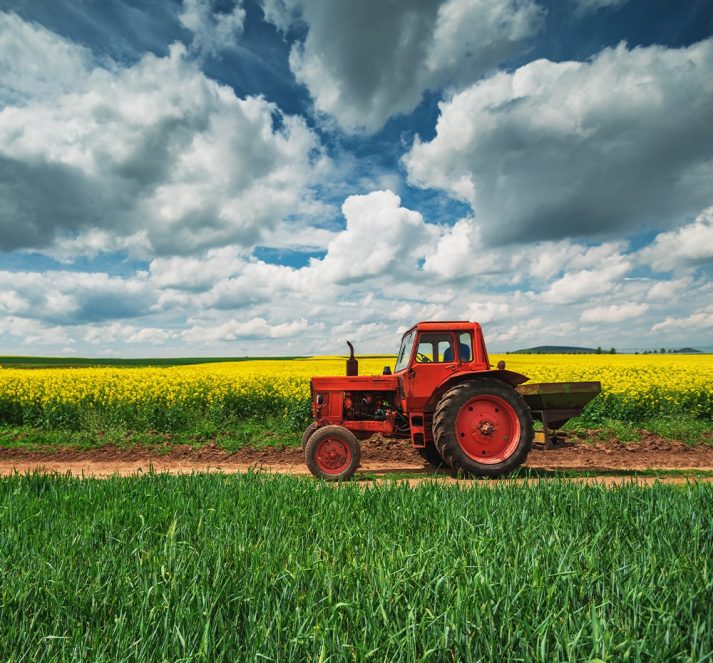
[[277, 568]]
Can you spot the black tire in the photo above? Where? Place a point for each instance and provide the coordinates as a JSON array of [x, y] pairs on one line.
[[342, 436], [444, 427], [430, 454], [308, 433]]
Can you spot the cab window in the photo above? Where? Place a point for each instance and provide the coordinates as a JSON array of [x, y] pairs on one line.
[[405, 351], [434, 347], [465, 346]]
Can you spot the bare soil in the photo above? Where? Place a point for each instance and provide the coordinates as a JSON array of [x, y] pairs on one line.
[[379, 457]]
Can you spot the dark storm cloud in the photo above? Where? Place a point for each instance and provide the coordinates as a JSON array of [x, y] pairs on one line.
[[40, 200], [107, 305], [366, 61], [558, 150]]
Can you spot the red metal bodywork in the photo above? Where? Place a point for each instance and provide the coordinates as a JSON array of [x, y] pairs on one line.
[[402, 404]]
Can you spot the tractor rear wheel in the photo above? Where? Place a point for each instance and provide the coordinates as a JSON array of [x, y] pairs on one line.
[[430, 454], [332, 453], [483, 428]]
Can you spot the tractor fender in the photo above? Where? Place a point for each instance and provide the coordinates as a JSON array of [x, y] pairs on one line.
[[509, 377]]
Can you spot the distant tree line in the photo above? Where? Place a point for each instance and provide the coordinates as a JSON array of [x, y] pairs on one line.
[[569, 350], [661, 351]]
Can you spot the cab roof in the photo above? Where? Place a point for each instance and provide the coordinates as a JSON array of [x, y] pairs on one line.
[[444, 325]]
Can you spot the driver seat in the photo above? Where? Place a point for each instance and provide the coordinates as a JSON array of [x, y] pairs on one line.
[[463, 351]]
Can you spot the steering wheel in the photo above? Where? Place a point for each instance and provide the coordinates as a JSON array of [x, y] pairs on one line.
[[422, 358]]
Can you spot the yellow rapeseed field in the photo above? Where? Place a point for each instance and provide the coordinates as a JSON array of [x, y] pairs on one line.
[[635, 387]]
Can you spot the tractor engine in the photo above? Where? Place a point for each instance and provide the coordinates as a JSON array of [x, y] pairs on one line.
[[366, 405]]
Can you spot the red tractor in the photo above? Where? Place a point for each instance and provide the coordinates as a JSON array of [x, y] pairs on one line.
[[445, 397]]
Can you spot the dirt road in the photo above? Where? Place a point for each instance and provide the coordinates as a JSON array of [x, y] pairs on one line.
[[379, 457]]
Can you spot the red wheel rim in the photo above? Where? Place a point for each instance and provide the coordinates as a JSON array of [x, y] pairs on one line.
[[487, 429], [333, 455]]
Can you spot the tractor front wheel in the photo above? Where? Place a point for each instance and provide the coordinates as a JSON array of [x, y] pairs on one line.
[[332, 453], [483, 428], [308, 433]]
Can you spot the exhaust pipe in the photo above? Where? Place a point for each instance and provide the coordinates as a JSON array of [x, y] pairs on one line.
[[352, 363]]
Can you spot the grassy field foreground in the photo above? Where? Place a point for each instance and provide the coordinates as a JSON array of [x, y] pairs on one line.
[[277, 568]]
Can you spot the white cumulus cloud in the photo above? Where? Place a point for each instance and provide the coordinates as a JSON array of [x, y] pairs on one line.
[[381, 237], [691, 244], [155, 157], [581, 285], [701, 319], [213, 30], [61, 297], [256, 328], [614, 312], [35, 62]]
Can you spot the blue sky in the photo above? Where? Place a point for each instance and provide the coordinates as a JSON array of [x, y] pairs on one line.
[[222, 177]]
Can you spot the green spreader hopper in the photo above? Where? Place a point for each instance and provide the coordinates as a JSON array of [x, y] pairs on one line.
[[555, 403]]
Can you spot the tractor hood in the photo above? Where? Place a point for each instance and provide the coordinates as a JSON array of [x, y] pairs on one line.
[[355, 383]]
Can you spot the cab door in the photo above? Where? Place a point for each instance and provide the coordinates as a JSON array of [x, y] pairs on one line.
[[433, 360]]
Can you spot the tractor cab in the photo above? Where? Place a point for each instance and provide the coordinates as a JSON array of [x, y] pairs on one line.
[[455, 344], [433, 353]]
